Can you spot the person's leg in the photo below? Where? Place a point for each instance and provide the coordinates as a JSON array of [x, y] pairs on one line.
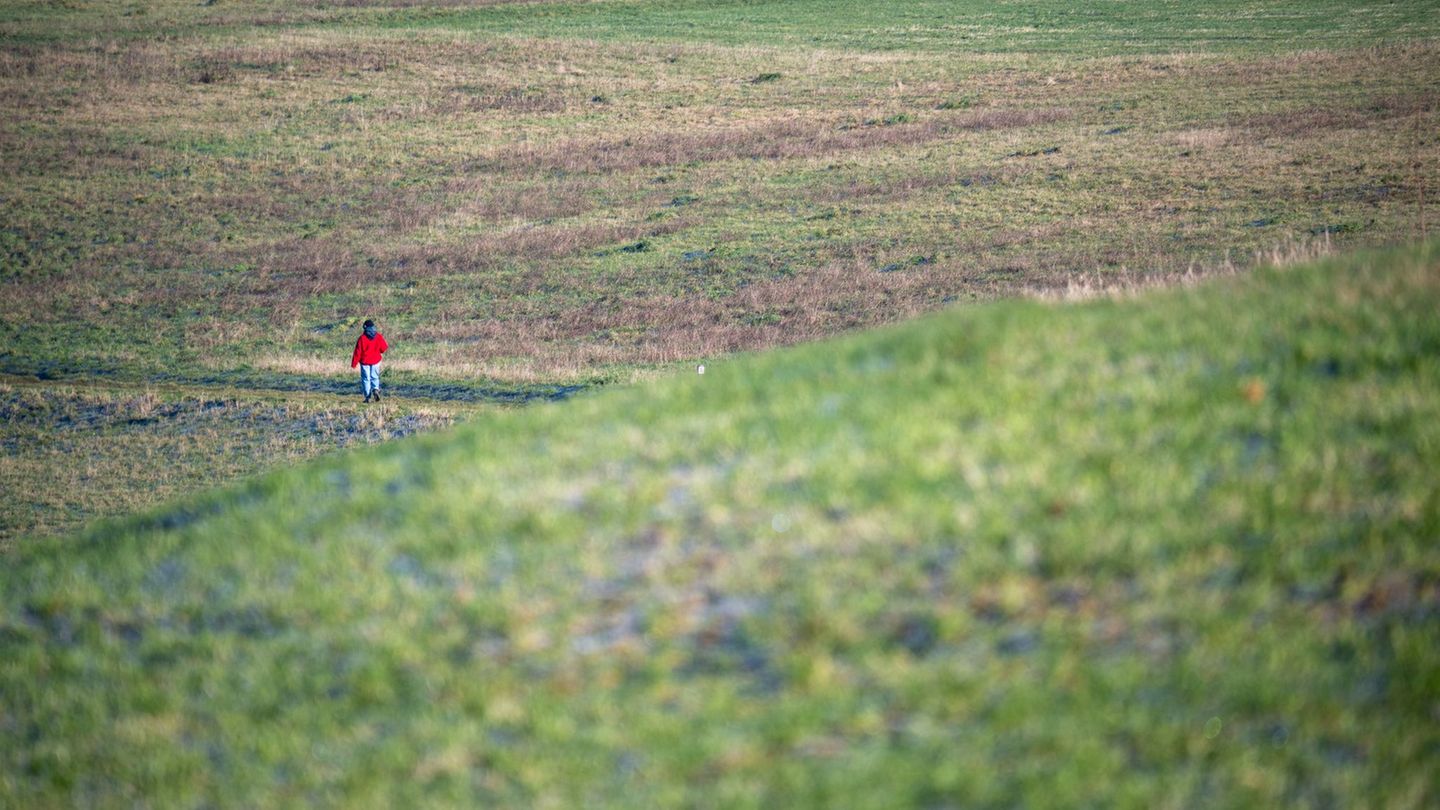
[[365, 381], [375, 381]]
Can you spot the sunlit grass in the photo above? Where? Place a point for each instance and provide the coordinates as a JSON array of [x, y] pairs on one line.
[[553, 205], [1176, 549]]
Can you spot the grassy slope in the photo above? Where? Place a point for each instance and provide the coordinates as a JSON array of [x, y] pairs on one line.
[[1175, 551]]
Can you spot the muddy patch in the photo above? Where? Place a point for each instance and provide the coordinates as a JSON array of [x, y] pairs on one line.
[[31, 414], [260, 381]]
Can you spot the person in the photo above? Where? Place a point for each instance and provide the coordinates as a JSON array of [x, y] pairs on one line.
[[368, 350]]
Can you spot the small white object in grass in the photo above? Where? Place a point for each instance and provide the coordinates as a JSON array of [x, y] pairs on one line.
[[700, 370]]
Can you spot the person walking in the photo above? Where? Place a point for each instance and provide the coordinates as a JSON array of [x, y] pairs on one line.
[[368, 350]]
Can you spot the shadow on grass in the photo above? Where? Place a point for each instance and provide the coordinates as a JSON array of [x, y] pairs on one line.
[[445, 391]]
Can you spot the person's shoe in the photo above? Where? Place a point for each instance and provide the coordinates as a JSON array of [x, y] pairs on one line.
[[376, 394], [367, 397]]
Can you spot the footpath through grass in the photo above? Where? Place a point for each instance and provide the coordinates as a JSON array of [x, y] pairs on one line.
[[1173, 551]]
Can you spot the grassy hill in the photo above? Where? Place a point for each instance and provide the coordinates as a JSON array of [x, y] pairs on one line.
[[1178, 550]]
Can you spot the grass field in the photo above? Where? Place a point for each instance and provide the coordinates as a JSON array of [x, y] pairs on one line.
[[931, 532], [1177, 550], [538, 197], [556, 192], [1009, 26]]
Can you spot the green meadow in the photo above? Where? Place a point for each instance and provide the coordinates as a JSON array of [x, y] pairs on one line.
[[1177, 550], [539, 198], [1067, 435], [539, 193]]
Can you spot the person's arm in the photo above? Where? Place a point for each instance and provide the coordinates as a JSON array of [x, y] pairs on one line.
[[380, 339], [355, 357]]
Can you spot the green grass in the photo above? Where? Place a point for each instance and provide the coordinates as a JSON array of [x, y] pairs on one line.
[[1107, 27], [229, 192], [531, 197], [1175, 550], [1030, 26]]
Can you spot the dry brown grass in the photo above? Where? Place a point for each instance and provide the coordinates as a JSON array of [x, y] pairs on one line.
[[456, 361], [1373, 112], [786, 138], [473, 189], [1091, 286], [665, 328]]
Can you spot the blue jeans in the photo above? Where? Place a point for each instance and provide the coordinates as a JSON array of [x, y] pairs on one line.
[[369, 379]]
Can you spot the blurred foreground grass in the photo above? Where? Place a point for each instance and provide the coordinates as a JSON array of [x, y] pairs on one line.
[[1171, 551]]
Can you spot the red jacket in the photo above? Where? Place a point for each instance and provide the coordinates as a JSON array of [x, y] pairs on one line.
[[368, 351]]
